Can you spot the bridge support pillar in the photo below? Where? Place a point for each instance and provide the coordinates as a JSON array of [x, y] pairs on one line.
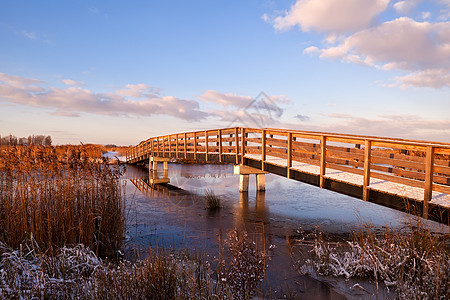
[[153, 162], [244, 172]]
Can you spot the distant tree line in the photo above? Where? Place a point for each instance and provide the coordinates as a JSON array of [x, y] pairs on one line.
[[12, 140]]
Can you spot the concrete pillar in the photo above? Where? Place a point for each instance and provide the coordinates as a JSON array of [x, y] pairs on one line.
[[244, 172], [261, 182], [243, 183]]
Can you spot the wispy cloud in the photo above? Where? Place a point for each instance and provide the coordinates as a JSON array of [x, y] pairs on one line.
[[406, 6], [75, 100], [302, 118], [400, 126], [72, 82], [30, 35]]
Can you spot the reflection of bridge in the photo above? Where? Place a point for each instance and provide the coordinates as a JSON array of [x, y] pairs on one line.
[[394, 172]]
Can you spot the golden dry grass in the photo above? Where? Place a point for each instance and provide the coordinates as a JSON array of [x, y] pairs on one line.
[[62, 196]]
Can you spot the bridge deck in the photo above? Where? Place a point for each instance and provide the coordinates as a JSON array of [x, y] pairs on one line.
[[382, 170]]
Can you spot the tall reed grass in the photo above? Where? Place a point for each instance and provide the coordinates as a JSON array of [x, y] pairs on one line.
[[61, 196]]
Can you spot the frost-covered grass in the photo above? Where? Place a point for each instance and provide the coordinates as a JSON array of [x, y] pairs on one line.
[[77, 273], [415, 264]]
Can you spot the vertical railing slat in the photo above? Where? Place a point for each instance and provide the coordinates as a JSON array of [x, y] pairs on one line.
[[323, 160], [219, 136], [428, 190], [263, 149], [206, 145], [289, 155], [236, 146], [185, 146], [366, 178]]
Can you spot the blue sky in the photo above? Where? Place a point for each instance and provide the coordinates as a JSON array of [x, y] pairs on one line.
[[120, 72]]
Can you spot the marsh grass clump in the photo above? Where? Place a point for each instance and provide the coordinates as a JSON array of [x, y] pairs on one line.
[[415, 264], [245, 266], [212, 201], [60, 200]]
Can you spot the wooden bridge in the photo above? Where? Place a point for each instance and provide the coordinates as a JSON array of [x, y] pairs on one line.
[[402, 174]]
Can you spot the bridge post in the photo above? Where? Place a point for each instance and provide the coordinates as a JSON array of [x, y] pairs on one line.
[[219, 136], [185, 145], [195, 145], [428, 190], [242, 144], [263, 149], [289, 155], [323, 159], [176, 145], [366, 179], [206, 145], [236, 146]]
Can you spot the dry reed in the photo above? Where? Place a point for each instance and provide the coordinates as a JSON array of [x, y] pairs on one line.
[[61, 197]]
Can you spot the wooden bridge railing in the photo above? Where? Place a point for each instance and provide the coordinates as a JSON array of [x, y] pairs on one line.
[[414, 163]]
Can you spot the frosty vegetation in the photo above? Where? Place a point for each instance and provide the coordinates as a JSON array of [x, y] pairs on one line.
[[77, 273], [414, 264]]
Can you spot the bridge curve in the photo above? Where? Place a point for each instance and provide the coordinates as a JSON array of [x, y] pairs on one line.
[[399, 173]]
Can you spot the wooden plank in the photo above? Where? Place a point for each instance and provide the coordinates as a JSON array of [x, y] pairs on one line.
[[345, 154], [441, 188], [399, 163], [323, 160], [276, 142], [442, 170], [307, 161], [393, 178], [345, 169], [277, 132], [253, 140], [366, 178]]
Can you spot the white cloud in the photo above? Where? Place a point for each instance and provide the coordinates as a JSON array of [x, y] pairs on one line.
[[331, 16], [138, 90], [225, 100], [426, 15], [406, 6], [72, 82], [422, 48]]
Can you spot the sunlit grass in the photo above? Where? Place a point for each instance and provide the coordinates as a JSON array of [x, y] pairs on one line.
[[63, 198]]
